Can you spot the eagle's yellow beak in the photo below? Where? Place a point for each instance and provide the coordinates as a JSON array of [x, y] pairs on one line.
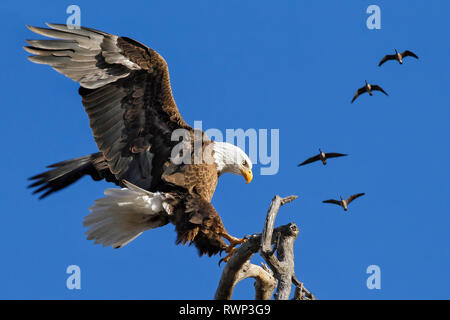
[[247, 174]]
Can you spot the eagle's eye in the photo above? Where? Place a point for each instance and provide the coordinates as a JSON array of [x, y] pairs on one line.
[[244, 163]]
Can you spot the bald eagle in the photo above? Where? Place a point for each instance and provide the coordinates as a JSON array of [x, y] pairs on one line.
[[126, 92]]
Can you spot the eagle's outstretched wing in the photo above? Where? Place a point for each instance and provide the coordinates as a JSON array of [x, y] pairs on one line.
[[126, 93]]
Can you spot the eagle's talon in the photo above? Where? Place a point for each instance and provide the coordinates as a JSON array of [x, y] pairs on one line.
[[228, 256], [231, 249]]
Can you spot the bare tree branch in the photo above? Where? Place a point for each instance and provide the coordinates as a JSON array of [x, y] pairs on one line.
[[281, 266], [277, 202], [230, 273], [301, 293], [265, 283]]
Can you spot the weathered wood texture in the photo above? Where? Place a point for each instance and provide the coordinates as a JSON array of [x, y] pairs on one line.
[[276, 246]]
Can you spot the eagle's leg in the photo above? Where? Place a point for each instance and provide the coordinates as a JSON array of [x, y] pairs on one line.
[[231, 248], [233, 242], [228, 256]]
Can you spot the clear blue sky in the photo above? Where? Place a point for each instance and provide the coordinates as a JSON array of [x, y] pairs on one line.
[[291, 65]]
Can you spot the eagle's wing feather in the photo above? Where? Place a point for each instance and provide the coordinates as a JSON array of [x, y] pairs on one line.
[[81, 55], [125, 88], [64, 173]]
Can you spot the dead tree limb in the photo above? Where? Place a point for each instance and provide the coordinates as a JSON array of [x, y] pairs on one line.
[[281, 266], [301, 293], [239, 268]]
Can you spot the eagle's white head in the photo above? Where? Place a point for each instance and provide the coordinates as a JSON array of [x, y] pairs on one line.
[[232, 159]]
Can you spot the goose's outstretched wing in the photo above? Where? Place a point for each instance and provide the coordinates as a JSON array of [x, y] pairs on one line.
[[359, 92], [408, 53], [378, 88], [353, 197], [310, 160], [386, 58], [333, 202], [335, 155]]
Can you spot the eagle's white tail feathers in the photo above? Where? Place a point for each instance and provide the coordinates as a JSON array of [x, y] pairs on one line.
[[123, 214]]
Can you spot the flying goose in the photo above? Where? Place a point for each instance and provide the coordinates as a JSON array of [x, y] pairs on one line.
[[344, 202], [369, 89], [322, 157], [398, 56]]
